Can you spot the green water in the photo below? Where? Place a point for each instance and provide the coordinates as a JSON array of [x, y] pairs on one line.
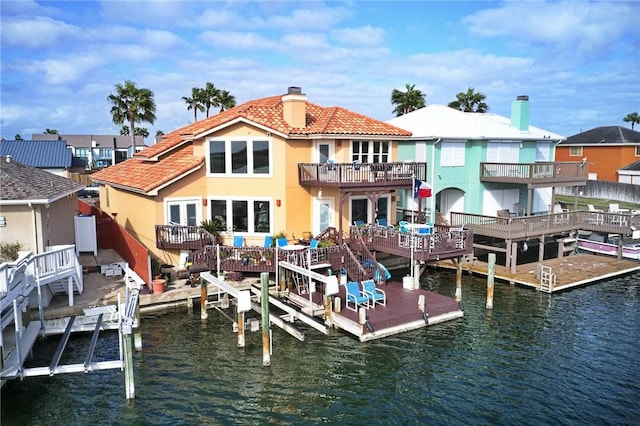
[[535, 359]]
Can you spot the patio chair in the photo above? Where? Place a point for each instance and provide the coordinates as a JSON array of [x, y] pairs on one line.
[[358, 223], [403, 226], [593, 209], [313, 249], [238, 241], [383, 222], [268, 241], [282, 242], [355, 297], [374, 294]]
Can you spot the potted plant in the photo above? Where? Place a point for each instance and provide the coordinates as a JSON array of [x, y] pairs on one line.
[[213, 227], [268, 257]]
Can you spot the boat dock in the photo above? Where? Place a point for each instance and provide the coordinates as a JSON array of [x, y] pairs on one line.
[[568, 271]]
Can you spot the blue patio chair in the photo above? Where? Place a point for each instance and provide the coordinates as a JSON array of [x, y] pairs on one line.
[[383, 222], [355, 297], [313, 249], [282, 242], [403, 226], [358, 222], [268, 241], [238, 241], [374, 294]]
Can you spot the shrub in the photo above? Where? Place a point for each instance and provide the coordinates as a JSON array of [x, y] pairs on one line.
[[9, 251]]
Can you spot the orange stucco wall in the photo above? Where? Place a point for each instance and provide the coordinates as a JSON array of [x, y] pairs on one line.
[[603, 160]]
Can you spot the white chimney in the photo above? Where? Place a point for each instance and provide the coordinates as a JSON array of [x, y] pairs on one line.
[[294, 107]]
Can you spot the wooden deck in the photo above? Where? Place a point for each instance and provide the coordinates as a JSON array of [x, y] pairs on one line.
[[570, 271], [400, 314]]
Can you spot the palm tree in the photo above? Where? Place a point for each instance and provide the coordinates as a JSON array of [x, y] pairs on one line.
[[226, 100], [210, 96], [133, 105], [408, 101], [195, 102], [633, 118], [471, 101]]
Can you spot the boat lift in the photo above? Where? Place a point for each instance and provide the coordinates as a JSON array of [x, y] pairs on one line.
[[19, 279]]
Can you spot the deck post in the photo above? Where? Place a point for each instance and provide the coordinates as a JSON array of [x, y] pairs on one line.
[[203, 299], [507, 257], [541, 249], [266, 332], [514, 258], [458, 279], [416, 275], [490, 279], [189, 305]]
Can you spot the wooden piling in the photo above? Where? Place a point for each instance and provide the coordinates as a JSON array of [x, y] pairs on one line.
[[328, 314], [129, 384], [203, 299], [264, 305], [490, 279], [137, 334], [458, 264], [241, 329]]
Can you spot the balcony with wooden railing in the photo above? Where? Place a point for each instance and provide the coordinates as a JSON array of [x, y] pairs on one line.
[[361, 175], [522, 227], [536, 175]]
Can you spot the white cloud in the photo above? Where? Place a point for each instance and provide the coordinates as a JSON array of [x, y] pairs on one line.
[[35, 33], [236, 40], [363, 36]]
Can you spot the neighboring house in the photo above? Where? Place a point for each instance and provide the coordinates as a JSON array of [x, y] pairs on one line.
[[98, 151], [607, 149], [52, 156], [630, 174], [37, 208], [269, 165], [481, 163]]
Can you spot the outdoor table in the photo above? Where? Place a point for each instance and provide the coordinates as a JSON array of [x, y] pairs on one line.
[[419, 228], [293, 251]]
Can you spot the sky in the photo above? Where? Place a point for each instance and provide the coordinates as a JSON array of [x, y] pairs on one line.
[[578, 61]]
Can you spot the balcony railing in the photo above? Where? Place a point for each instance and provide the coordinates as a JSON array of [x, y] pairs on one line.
[[546, 224], [356, 175], [539, 174]]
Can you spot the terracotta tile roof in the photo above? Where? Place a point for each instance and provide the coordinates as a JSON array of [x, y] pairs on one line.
[[146, 176], [266, 112]]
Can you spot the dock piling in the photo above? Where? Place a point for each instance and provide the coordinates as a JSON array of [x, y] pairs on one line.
[[490, 279], [266, 331], [203, 299]]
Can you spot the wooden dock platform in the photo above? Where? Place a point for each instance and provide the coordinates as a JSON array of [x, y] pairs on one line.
[[401, 313], [570, 271]]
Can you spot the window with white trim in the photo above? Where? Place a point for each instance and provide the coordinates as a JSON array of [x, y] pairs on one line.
[[452, 153], [247, 157], [253, 216], [637, 150], [575, 151], [370, 151]]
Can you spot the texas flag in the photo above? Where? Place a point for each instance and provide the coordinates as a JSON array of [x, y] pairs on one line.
[[421, 189]]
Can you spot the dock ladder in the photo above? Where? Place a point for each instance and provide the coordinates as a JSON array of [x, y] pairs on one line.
[[547, 278]]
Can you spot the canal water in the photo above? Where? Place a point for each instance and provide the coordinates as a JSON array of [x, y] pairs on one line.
[[535, 359]]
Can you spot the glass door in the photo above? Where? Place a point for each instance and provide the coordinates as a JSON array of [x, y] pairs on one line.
[[323, 214], [184, 212]]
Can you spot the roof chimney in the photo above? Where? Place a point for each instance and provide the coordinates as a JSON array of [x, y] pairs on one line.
[[8, 158], [520, 113], [294, 107]]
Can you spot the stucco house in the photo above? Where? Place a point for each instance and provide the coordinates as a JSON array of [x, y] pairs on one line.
[[482, 163], [269, 165], [37, 208], [607, 150]]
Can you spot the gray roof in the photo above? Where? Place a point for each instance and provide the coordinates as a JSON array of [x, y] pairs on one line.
[[20, 184], [633, 167], [607, 135], [36, 153], [84, 141]]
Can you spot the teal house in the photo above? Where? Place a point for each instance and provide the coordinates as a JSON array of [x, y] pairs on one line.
[[480, 163]]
